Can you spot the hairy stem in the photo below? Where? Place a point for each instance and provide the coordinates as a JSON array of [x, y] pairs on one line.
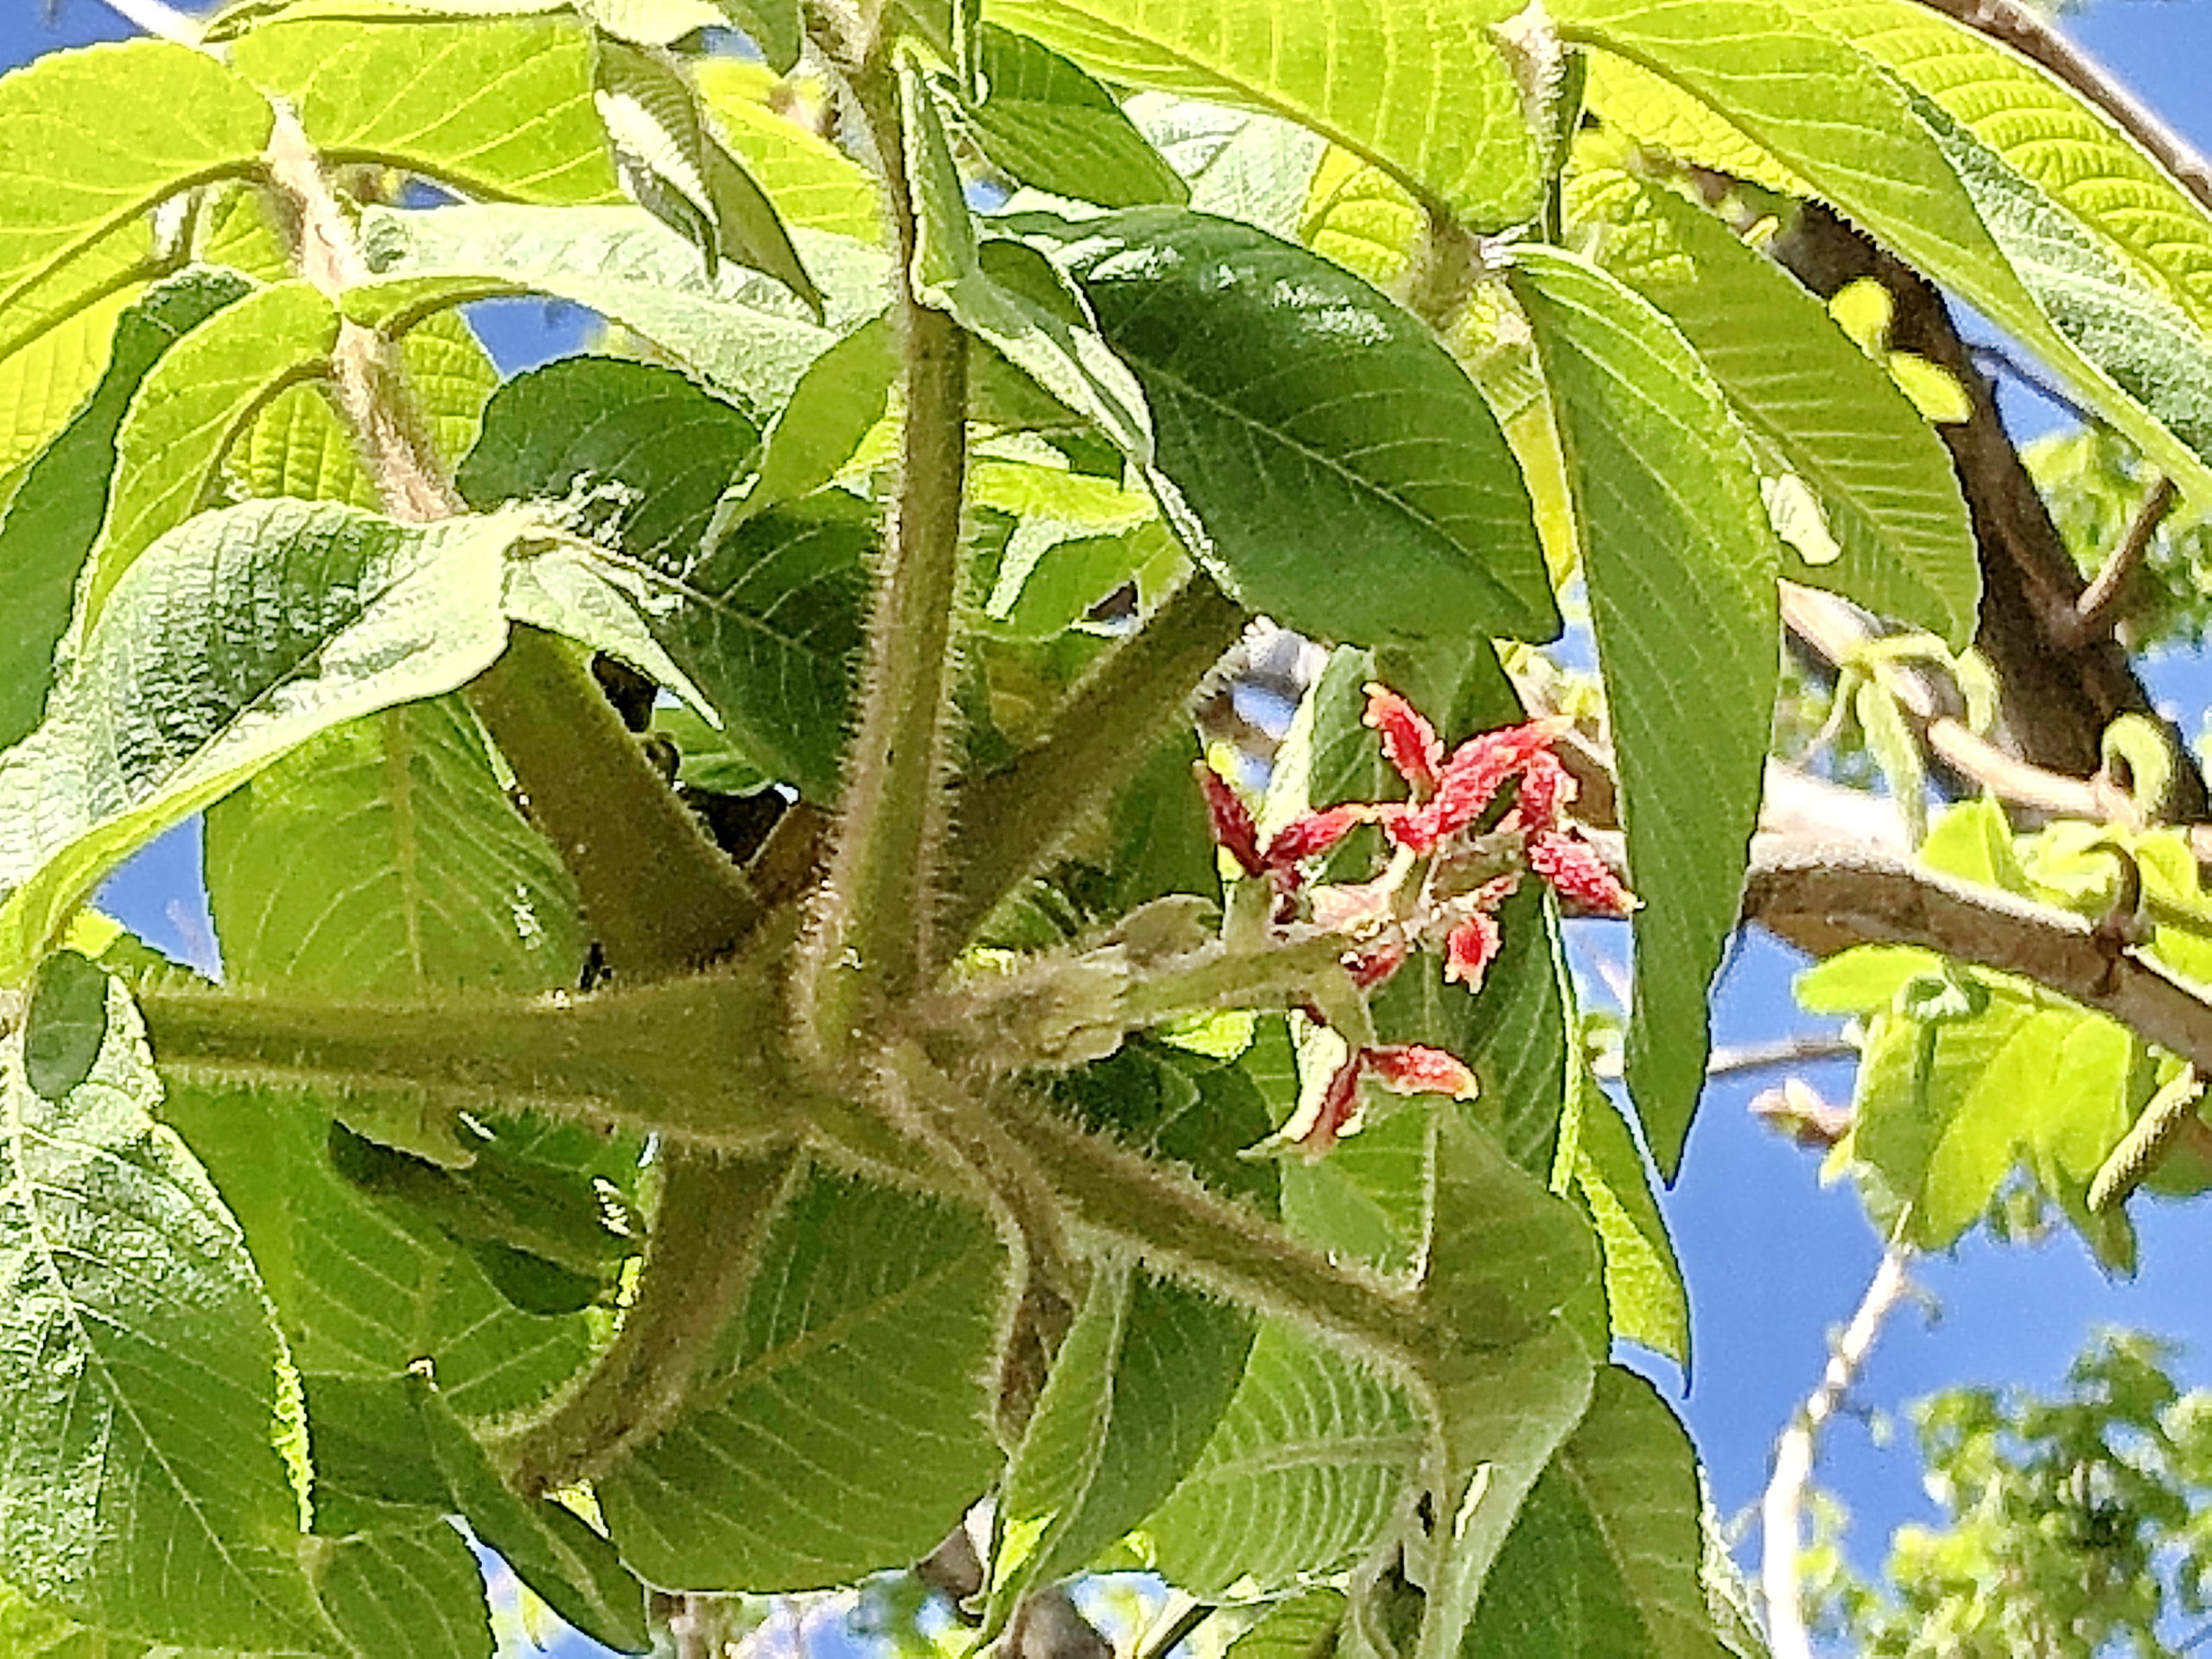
[[713, 1215], [660, 895], [871, 945], [1173, 1221], [662, 898], [686, 1058], [1013, 820]]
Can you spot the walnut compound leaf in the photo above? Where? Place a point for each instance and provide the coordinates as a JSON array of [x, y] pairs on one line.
[[1882, 477], [186, 413], [406, 92], [137, 122], [745, 334], [1135, 1389], [575, 1569], [1433, 102], [1310, 1468], [1603, 1558]]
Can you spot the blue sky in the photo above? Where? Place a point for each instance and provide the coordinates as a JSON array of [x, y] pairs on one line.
[[1774, 1261]]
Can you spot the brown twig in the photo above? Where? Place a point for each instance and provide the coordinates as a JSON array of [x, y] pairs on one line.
[[2057, 698], [1826, 897], [1782, 1512], [2096, 614]]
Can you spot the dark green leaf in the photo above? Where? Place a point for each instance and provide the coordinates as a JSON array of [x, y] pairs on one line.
[[65, 1027], [767, 623], [1045, 121], [1603, 1560], [575, 1569], [1681, 561], [869, 1307], [1321, 453]]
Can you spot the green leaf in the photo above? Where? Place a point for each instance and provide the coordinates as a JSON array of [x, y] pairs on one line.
[[1303, 1626], [1298, 416], [53, 519], [1433, 104], [297, 445], [360, 1293], [384, 856], [774, 26], [372, 1471], [1137, 1387], [91, 139], [836, 403], [679, 172], [1923, 184], [1254, 168], [767, 623], [573, 1569], [748, 335], [1883, 478], [1046, 123], [407, 94], [1504, 1416], [1006, 292], [813, 183], [1603, 1560], [870, 1308], [230, 642], [45, 381], [418, 1592], [188, 409], [1645, 1295], [65, 1024], [144, 1488], [1680, 562], [1944, 1112], [1308, 1470]]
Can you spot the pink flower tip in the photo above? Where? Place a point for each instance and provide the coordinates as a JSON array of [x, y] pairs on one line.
[[1409, 742], [1469, 949], [1230, 819], [1578, 874], [1415, 1069]]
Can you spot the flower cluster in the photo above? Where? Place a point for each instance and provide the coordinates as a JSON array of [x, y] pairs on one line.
[[1454, 861]]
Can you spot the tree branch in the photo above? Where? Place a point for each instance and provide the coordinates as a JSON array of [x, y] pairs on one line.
[[1780, 1515], [2058, 698], [2096, 614], [1825, 897], [708, 1225], [162, 21], [660, 895]]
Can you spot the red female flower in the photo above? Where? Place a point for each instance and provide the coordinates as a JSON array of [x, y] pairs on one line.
[[1402, 1068], [1578, 874], [1409, 743]]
